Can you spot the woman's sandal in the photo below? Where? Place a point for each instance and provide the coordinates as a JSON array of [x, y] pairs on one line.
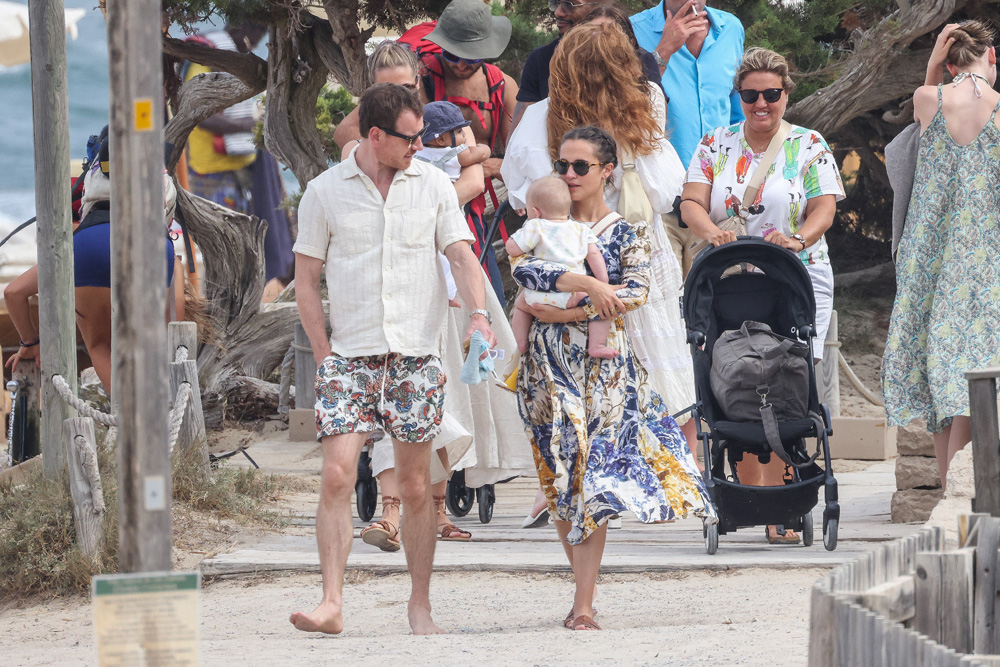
[[383, 534], [782, 537], [568, 621], [449, 532], [586, 622]]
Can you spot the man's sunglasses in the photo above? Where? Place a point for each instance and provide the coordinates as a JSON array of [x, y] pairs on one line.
[[771, 95], [581, 167], [568, 6], [405, 137], [454, 60]]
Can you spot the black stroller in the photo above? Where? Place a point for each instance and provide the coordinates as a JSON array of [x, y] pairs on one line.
[[752, 279]]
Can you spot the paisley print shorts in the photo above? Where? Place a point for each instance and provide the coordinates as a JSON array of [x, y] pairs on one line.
[[404, 396]]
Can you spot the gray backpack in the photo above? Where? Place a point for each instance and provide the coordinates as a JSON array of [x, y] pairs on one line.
[[760, 376]]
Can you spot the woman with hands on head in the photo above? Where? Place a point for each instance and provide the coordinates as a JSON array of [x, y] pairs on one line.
[[793, 208]]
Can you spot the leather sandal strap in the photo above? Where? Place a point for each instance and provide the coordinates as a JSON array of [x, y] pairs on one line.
[[390, 501]]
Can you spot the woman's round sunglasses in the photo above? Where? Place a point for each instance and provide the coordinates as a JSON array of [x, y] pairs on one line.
[[581, 167], [454, 60], [771, 95]]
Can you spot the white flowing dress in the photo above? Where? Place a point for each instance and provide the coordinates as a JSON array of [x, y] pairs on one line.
[[656, 330]]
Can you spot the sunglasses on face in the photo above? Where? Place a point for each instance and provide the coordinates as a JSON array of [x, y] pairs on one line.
[[454, 60], [581, 167], [771, 95], [568, 6], [410, 139]]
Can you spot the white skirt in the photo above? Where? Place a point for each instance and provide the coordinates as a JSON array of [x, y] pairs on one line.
[[657, 331]]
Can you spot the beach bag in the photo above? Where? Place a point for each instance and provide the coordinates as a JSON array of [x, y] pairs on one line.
[[633, 203], [760, 376], [738, 223]]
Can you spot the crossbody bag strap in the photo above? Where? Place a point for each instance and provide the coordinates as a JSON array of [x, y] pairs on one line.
[[760, 173]]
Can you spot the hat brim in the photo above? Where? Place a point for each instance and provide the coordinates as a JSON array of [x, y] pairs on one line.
[[437, 132], [484, 49]]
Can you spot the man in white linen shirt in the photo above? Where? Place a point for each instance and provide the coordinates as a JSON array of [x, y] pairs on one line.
[[377, 220]]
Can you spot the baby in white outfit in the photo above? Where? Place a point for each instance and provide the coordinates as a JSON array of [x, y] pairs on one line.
[[550, 235]]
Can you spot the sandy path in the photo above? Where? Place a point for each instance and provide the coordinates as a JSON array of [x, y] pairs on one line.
[[725, 618]]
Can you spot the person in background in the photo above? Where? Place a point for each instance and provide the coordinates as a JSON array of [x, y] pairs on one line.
[[568, 13], [793, 209], [697, 49], [947, 306]]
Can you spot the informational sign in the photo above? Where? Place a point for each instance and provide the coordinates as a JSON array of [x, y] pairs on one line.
[[147, 619]]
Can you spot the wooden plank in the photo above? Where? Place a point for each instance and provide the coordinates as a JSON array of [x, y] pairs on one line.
[[56, 296], [821, 627], [967, 533], [139, 286], [192, 434], [985, 444], [85, 484], [842, 641], [983, 373], [984, 604], [893, 600], [957, 599], [182, 334], [305, 370], [19, 474], [927, 594]]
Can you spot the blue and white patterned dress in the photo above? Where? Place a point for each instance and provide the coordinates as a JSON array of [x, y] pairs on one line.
[[603, 440]]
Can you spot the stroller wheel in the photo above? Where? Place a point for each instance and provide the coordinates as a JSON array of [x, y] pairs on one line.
[[485, 497], [458, 496], [711, 538], [807, 529], [830, 534]]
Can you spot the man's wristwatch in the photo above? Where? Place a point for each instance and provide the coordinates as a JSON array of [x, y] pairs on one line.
[[484, 313], [660, 62], [801, 239]]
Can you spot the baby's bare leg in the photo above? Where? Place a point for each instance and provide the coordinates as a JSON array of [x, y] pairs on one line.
[[520, 322], [597, 339]]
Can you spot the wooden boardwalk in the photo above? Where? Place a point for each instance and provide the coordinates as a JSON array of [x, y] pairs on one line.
[[503, 546]]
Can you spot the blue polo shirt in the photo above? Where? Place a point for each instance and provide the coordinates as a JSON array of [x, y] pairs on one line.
[[700, 89]]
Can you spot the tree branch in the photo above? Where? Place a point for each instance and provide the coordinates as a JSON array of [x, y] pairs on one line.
[[249, 68], [344, 18], [198, 99]]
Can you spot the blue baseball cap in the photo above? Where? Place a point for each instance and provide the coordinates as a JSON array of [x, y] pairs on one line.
[[442, 117]]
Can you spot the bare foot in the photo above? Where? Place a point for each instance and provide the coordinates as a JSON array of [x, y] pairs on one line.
[[603, 352], [326, 618], [421, 622]]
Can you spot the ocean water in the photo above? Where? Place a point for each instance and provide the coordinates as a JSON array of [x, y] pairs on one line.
[[87, 64]]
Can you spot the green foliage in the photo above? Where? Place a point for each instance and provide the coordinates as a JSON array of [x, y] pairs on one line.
[[527, 34], [187, 12], [332, 106]]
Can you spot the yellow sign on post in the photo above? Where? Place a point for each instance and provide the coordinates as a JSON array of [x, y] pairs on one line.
[[143, 112], [148, 618]]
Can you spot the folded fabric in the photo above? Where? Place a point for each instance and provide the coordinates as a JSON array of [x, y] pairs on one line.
[[475, 370]]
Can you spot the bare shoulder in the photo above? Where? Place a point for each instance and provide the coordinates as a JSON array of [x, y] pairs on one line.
[[924, 103]]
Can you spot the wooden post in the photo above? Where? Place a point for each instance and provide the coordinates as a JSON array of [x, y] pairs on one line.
[[56, 303], [139, 285], [305, 370], [182, 333], [85, 484], [985, 439], [985, 625], [192, 433], [944, 597]]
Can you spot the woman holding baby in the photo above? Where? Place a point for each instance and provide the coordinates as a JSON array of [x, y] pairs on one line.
[[603, 439]]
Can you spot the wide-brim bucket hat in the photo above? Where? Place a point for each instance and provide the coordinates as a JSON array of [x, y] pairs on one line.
[[468, 29]]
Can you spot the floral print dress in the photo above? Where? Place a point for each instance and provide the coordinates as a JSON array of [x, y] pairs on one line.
[[946, 316], [603, 440]]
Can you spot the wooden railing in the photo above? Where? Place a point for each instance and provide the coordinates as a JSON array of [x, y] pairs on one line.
[[985, 439]]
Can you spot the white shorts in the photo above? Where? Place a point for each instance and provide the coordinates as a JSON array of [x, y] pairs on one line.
[[822, 281], [557, 299]]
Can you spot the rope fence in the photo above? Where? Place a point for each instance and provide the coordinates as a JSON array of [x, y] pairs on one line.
[[62, 388]]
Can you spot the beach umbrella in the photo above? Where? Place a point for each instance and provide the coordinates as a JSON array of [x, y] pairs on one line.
[[14, 46]]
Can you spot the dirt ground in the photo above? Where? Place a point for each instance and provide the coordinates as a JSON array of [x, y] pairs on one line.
[[743, 617]]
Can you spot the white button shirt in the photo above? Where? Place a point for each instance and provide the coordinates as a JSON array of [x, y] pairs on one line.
[[386, 287]]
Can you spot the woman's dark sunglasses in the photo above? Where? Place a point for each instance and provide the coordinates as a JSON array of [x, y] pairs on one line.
[[405, 137], [581, 167], [771, 95], [454, 60]]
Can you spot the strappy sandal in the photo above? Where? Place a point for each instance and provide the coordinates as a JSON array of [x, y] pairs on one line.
[[586, 621], [383, 534], [449, 532], [568, 621]]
